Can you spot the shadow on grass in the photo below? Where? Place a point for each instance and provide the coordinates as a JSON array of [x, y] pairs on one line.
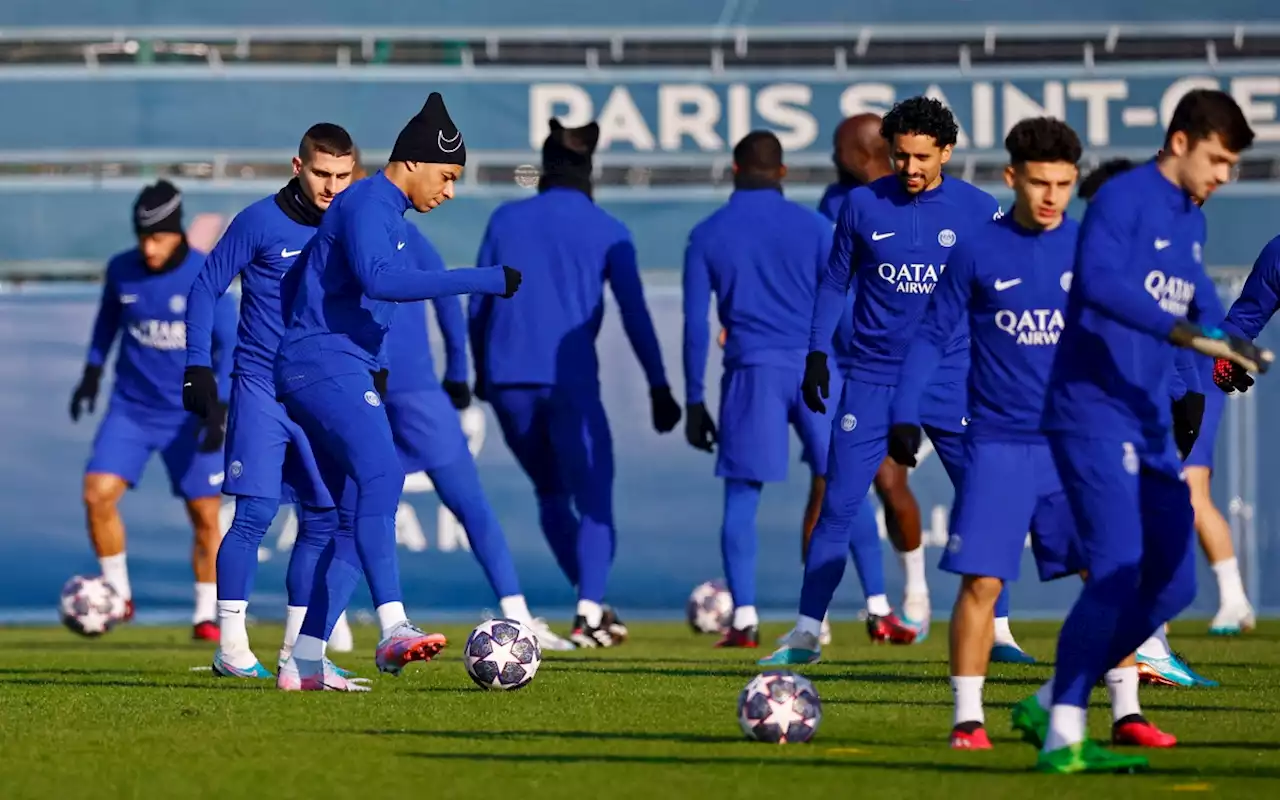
[[53, 682]]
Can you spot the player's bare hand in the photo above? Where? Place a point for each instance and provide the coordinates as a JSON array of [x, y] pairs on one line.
[[817, 382]]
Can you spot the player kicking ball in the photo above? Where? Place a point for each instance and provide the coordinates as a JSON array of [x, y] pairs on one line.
[[144, 297], [1139, 291]]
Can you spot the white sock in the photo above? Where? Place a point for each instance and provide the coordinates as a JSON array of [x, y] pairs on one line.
[[206, 609], [1156, 646], [913, 566], [1003, 634], [293, 617], [745, 617], [1230, 587], [515, 607], [809, 625], [233, 639], [1066, 727], [390, 615], [308, 648], [116, 570], [1044, 695], [968, 692], [878, 606], [591, 611], [1122, 685]]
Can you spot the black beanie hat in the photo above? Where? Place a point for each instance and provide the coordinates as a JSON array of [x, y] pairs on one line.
[[566, 156], [431, 137], [158, 209]]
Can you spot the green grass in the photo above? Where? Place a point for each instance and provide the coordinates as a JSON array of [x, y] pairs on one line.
[[125, 717]]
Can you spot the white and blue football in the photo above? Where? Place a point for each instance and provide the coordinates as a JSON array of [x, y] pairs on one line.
[[779, 707], [502, 654]]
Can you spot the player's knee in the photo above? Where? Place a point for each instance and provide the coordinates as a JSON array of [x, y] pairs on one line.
[[380, 494], [102, 493], [316, 525], [252, 518], [982, 589]]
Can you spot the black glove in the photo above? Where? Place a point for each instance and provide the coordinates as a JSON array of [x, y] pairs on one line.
[[199, 391], [1230, 377], [479, 391], [904, 443], [666, 411], [87, 391], [459, 393], [699, 428], [1220, 344], [214, 431], [380, 381], [514, 278], [1188, 413], [817, 382]]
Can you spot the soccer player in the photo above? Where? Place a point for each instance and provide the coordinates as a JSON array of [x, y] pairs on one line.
[[340, 295], [536, 363], [1138, 292], [894, 235], [761, 255], [144, 297], [1011, 285], [423, 413], [268, 459]]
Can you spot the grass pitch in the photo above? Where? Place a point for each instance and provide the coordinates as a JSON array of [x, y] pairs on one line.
[[126, 717]]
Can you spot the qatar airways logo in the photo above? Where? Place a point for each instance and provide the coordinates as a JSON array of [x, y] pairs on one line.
[[159, 334], [1035, 327], [911, 278], [1174, 294]]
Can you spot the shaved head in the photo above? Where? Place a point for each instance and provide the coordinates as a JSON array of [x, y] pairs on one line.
[[861, 153]]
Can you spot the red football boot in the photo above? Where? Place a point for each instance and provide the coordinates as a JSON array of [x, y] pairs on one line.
[[741, 637], [889, 629], [1135, 731], [206, 631], [970, 736]]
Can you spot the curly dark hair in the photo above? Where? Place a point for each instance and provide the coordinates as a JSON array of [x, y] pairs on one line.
[[1042, 139], [1104, 172], [923, 116]]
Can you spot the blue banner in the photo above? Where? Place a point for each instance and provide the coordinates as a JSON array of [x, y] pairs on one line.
[[667, 501], [270, 109]]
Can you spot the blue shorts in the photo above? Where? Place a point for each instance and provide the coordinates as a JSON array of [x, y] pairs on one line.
[[1201, 455], [426, 428], [1011, 488], [859, 437], [758, 405], [268, 455], [130, 434], [1131, 506]]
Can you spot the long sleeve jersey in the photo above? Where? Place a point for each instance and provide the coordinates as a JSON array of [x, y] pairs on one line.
[[340, 294], [1260, 298], [149, 309], [568, 248], [1137, 272], [829, 206], [408, 344], [833, 199], [259, 245], [761, 255], [1010, 284], [895, 244]]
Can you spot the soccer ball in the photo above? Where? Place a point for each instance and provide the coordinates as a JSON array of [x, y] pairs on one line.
[[502, 654], [710, 607], [779, 707], [90, 606]]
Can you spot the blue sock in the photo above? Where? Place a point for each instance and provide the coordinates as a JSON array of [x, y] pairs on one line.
[[738, 539], [237, 562], [864, 546], [560, 527], [1002, 602], [458, 485], [336, 577], [595, 555], [375, 536], [316, 527]]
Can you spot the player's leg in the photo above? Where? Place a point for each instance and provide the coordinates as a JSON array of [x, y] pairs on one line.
[[993, 509], [197, 477], [858, 445], [902, 523], [524, 415], [584, 454], [121, 448], [1235, 614], [344, 418], [1101, 480]]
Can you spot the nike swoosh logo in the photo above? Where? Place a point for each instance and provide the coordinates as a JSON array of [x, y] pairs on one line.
[[1009, 284], [400, 246], [185, 385], [1162, 243], [876, 236], [287, 253]]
